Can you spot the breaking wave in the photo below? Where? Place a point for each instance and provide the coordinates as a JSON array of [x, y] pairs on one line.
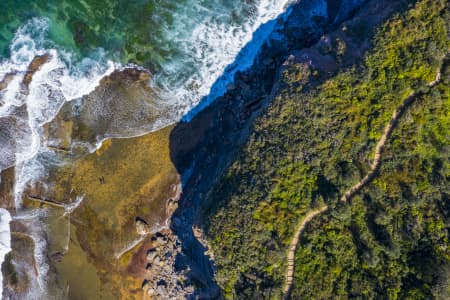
[[26, 106], [211, 48], [212, 39]]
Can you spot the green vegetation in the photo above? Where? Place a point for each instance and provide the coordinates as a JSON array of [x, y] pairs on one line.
[[314, 142], [392, 240]]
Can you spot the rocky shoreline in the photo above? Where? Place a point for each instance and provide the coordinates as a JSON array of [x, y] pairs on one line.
[[204, 147], [122, 180], [180, 259], [175, 262]]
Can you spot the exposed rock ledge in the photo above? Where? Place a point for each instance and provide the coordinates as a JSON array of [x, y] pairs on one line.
[[203, 148], [176, 260]]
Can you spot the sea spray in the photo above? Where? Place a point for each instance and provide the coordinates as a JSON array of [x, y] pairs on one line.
[[5, 239], [61, 78], [215, 45], [208, 40], [37, 231]]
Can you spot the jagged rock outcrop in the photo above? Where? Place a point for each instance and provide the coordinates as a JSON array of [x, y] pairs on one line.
[[162, 280], [203, 148]]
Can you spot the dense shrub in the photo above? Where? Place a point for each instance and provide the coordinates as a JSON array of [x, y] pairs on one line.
[[312, 144]]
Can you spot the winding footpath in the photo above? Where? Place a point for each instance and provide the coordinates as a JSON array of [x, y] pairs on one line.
[[293, 248], [396, 115], [350, 193]]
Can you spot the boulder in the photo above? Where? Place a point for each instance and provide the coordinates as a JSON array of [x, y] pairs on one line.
[[161, 290], [151, 256], [142, 227]]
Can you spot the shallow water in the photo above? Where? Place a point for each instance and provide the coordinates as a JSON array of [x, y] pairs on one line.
[[192, 49], [187, 45]]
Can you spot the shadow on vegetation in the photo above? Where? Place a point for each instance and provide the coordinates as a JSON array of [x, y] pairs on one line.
[[203, 148]]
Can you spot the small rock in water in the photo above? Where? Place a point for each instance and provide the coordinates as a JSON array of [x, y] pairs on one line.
[[158, 242], [58, 256], [142, 227]]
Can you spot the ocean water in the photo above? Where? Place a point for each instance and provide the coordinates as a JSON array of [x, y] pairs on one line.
[[5, 238], [187, 45], [192, 48]]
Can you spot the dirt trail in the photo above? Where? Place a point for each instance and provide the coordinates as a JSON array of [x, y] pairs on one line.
[[293, 248], [374, 167], [396, 115]]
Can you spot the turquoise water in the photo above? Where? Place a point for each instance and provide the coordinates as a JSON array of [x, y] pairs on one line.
[[191, 47], [186, 43], [128, 29], [147, 32]]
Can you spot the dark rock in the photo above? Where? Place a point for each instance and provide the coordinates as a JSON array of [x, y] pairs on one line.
[[162, 282], [34, 66], [58, 256], [200, 143]]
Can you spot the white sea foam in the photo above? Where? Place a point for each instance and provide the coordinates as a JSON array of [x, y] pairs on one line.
[[5, 239], [60, 79], [25, 173], [32, 219], [69, 208], [29, 215], [37, 231], [213, 51], [57, 81], [210, 52]]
